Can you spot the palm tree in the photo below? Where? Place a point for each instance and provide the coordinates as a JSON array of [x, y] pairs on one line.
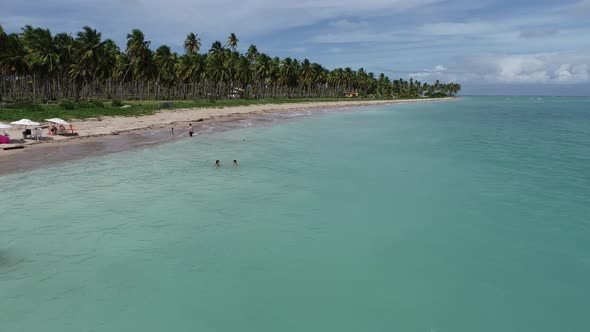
[[89, 49], [139, 54], [13, 64], [306, 75], [13, 57], [109, 52], [252, 53], [243, 72], [232, 41], [289, 73], [262, 67], [216, 48], [88, 61], [137, 46], [63, 43], [164, 61], [192, 43], [189, 67], [2, 36], [217, 68], [27, 34], [43, 56], [60, 66], [122, 68]]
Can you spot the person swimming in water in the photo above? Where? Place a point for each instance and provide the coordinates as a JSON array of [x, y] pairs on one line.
[[235, 163], [217, 163]]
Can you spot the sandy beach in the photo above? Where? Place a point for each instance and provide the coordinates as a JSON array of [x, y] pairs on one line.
[[114, 134]]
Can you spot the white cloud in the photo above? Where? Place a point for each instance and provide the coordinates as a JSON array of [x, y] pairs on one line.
[[461, 28], [430, 74], [540, 68], [581, 7], [539, 33], [549, 68], [568, 73], [353, 7], [359, 36], [520, 69], [555, 68], [298, 49], [346, 24]]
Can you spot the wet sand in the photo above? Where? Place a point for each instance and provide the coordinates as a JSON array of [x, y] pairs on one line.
[[63, 151]]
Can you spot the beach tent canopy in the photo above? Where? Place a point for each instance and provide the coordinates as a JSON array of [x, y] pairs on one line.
[[58, 121], [4, 126], [25, 122]]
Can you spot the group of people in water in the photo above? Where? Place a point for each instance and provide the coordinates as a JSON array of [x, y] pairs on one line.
[[191, 133], [218, 163], [190, 130]]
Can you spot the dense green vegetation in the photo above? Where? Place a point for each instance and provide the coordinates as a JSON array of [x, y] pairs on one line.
[[36, 65]]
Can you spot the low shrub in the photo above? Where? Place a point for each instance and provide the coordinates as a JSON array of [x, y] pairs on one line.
[[84, 104], [25, 105], [99, 104], [67, 105], [117, 103], [166, 104]]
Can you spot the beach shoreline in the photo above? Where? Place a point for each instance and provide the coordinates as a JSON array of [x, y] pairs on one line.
[[117, 134]]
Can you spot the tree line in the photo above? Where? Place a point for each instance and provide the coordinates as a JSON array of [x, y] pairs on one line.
[[37, 65]]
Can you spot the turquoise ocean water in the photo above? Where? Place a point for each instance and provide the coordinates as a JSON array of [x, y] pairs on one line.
[[469, 215]]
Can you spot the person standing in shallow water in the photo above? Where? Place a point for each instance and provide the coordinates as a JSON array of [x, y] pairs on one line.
[[190, 130], [217, 163], [172, 131], [235, 163]]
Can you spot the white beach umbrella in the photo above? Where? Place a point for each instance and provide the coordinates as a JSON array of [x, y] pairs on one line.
[[4, 126], [25, 122], [58, 121]]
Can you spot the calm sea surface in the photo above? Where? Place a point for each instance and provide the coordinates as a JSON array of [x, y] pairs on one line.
[[469, 215]]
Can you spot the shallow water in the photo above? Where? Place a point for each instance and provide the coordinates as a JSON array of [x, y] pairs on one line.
[[470, 215]]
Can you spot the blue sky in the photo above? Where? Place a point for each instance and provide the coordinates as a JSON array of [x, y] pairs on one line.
[[491, 47]]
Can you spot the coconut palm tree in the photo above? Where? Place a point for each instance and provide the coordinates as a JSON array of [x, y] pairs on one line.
[[137, 46], [252, 53], [35, 62], [216, 48], [262, 67], [217, 70], [189, 67], [42, 56], [243, 72], [13, 57], [165, 60], [87, 65], [13, 65], [192, 43], [139, 54], [63, 42], [232, 41], [89, 50], [306, 75], [3, 36]]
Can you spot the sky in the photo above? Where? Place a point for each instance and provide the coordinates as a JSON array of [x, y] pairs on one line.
[[531, 47]]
